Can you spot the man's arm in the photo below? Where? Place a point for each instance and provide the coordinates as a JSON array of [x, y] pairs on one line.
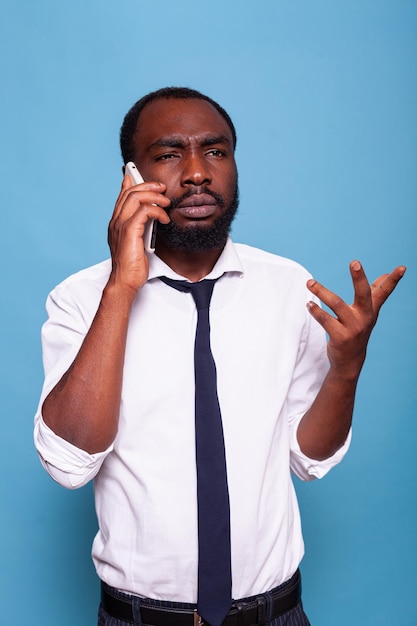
[[325, 426], [83, 408]]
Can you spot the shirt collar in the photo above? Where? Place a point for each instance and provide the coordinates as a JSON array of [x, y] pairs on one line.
[[228, 262]]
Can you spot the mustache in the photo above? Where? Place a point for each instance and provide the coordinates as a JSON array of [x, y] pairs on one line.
[[192, 192]]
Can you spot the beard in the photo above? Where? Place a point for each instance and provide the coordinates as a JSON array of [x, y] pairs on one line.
[[199, 237]]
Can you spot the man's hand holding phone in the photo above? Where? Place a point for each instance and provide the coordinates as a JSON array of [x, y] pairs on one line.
[[138, 204], [149, 234]]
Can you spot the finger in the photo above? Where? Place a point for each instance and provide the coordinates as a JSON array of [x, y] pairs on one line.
[[131, 197], [126, 184], [362, 290], [135, 198], [127, 181], [125, 234], [327, 321], [137, 219], [384, 285], [339, 307], [151, 211], [145, 186]]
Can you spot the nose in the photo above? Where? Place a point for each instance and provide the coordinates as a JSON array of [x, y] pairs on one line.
[[195, 171]]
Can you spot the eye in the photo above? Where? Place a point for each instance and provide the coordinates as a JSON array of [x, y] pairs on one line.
[[166, 157], [216, 152]]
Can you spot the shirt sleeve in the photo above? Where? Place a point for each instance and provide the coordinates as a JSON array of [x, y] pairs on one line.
[[309, 469], [310, 370], [65, 463], [62, 336]]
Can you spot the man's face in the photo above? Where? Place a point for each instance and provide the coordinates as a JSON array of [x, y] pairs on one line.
[[188, 145]]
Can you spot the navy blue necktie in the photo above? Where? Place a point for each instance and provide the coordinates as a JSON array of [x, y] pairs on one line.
[[214, 559]]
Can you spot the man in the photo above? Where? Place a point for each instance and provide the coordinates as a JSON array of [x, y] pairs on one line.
[[120, 393]]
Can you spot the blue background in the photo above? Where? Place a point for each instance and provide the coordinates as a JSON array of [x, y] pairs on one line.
[[324, 97]]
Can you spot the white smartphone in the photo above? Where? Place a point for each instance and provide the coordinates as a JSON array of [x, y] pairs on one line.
[[149, 234]]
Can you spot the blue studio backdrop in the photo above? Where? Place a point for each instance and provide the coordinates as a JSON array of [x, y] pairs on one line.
[[324, 97]]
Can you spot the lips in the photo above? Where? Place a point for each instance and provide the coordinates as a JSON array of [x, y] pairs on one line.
[[197, 206]]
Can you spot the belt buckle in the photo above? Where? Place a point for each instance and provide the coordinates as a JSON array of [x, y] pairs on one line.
[[198, 621]]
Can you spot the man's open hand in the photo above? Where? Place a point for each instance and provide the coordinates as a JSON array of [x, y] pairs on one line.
[[350, 329]]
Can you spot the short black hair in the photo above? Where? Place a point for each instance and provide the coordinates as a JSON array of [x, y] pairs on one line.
[[130, 121]]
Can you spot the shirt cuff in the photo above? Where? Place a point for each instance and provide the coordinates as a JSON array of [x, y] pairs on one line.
[[309, 469], [68, 465]]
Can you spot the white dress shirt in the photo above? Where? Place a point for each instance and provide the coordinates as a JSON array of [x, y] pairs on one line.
[[271, 360]]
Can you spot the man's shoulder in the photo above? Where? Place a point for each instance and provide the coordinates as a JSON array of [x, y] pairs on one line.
[[258, 258], [93, 276]]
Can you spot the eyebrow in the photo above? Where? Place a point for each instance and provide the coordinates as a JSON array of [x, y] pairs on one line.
[[179, 142]]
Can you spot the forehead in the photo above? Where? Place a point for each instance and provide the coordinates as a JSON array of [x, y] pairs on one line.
[[191, 119]]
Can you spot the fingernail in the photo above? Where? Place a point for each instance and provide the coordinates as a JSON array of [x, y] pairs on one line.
[[356, 266], [311, 282]]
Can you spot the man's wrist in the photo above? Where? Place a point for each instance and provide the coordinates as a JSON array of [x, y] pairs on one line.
[[120, 295]]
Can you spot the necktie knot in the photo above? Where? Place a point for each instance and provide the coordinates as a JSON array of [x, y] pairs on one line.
[[201, 291]]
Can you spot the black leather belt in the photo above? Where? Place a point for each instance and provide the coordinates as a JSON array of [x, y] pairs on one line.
[[247, 612]]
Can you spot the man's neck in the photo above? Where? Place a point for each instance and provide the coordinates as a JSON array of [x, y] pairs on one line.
[[191, 265]]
